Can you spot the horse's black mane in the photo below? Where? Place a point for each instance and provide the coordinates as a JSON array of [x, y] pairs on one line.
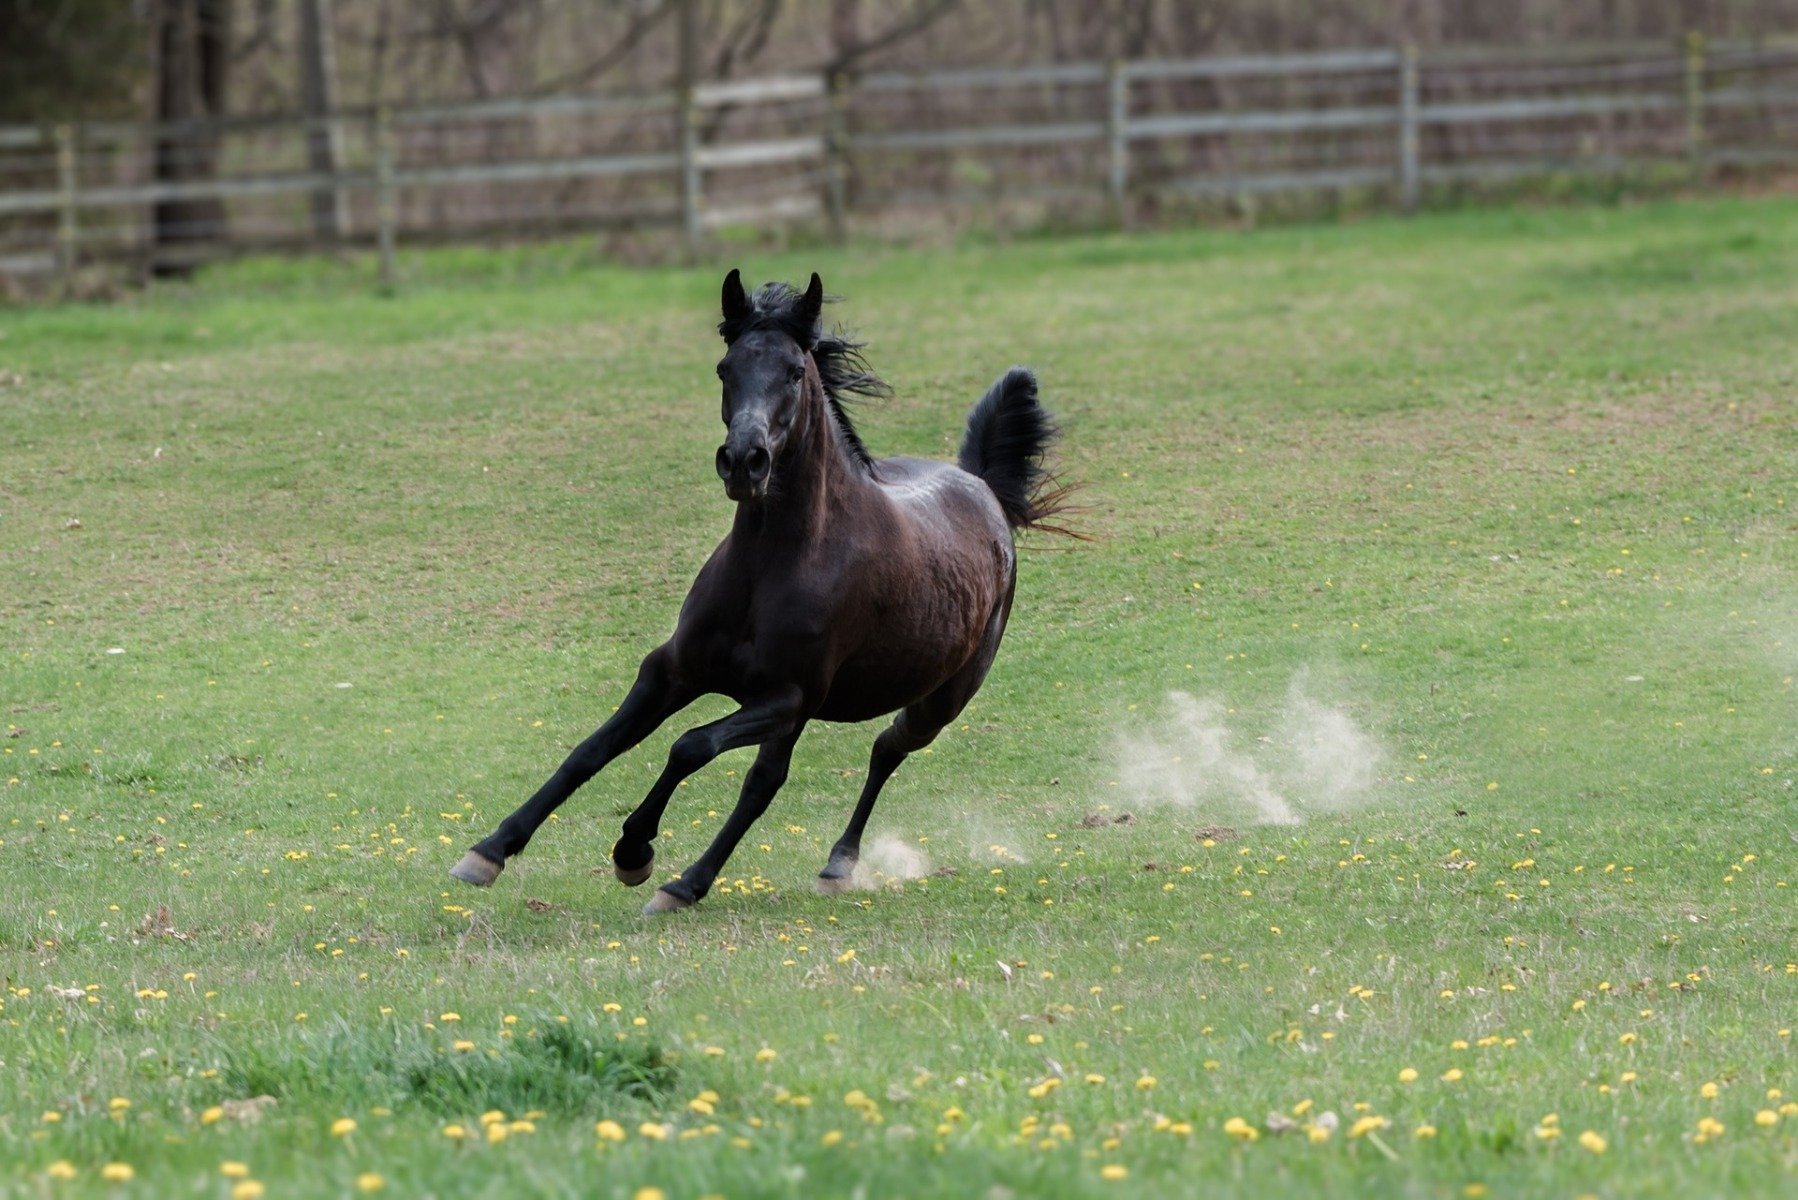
[[841, 367]]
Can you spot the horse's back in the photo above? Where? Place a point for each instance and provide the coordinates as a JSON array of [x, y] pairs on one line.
[[941, 496]]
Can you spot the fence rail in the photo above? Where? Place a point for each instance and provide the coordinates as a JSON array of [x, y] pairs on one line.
[[800, 147]]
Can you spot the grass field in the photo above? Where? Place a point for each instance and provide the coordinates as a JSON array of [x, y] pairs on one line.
[[1511, 493]]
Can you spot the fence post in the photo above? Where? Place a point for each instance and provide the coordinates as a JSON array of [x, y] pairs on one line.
[[386, 203], [689, 169], [686, 84], [1695, 99], [836, 152], [1409, 139], [1117, 138], [67, 180]]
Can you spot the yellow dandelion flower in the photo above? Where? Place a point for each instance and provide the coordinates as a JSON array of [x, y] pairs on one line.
[[649, 1193], [610, 1131], [1451, 1075], [369, 1181], [234, 1170], [1114, 1172], [212, 1116], [62, 1168], [1240, 1129], [1408, 1075], [652, 1131], [765, 1055], [247, 1189], [1593, 1141], [1424, 1132], [1708, 1091], [1367, 1124], [118, 1172], [1765, 1117], [343, 1126], [492, 1116], [454, 1133], [831, 1138], [1145, 1083], [497, 1133]]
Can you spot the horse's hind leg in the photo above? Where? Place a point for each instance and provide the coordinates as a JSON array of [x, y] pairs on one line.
[[912, 730], [652, 699]]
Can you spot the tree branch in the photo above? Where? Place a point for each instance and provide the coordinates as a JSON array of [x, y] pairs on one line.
[[921, 18]]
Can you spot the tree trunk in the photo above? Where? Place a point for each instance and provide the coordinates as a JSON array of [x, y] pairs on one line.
[[192, 52], [318, 90]]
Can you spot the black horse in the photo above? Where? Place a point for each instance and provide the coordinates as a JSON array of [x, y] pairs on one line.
[[848, 587]]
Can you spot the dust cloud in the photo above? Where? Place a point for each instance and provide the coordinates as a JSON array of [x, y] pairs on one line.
[[1316, 758], [889, 861]]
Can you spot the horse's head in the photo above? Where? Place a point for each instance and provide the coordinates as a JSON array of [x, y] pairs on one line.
[[764, 374]]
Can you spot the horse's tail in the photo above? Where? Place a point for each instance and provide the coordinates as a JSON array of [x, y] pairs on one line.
[[1007, 445]]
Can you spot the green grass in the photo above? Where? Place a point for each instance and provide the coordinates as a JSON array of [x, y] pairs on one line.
[[1511, 490]]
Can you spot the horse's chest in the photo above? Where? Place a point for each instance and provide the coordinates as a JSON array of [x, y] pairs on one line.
[[751, 635]]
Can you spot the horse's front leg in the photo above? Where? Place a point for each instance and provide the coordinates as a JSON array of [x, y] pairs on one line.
[[764, 779], [652, 699], [772, 717]]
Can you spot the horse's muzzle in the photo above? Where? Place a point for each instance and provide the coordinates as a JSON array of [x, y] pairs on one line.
[[744, 470]]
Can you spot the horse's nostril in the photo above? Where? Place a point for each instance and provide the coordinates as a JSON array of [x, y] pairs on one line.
[[723, 462], [756, 462]]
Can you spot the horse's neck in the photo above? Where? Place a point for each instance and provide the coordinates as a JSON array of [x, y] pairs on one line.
[[817, 478]]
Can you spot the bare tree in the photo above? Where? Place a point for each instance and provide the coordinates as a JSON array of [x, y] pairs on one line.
[[64, 58], [192, 41], [318, 86], [911, 20]]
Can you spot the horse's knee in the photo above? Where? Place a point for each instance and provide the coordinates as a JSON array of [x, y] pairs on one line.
[[906, 735], [691, 751]]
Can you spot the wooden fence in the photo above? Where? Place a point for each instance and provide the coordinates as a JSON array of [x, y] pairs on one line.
[[807, 148]]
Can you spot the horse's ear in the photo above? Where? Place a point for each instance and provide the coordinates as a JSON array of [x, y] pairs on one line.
[[736, 300], [811, 306], [737, 309]]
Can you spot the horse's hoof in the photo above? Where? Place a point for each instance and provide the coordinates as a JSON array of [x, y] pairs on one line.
[[834, 885], [665, 901], [634, 875], [477, 869]]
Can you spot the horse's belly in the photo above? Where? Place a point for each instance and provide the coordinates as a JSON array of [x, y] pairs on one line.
[[887, 673], [861, 692]]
